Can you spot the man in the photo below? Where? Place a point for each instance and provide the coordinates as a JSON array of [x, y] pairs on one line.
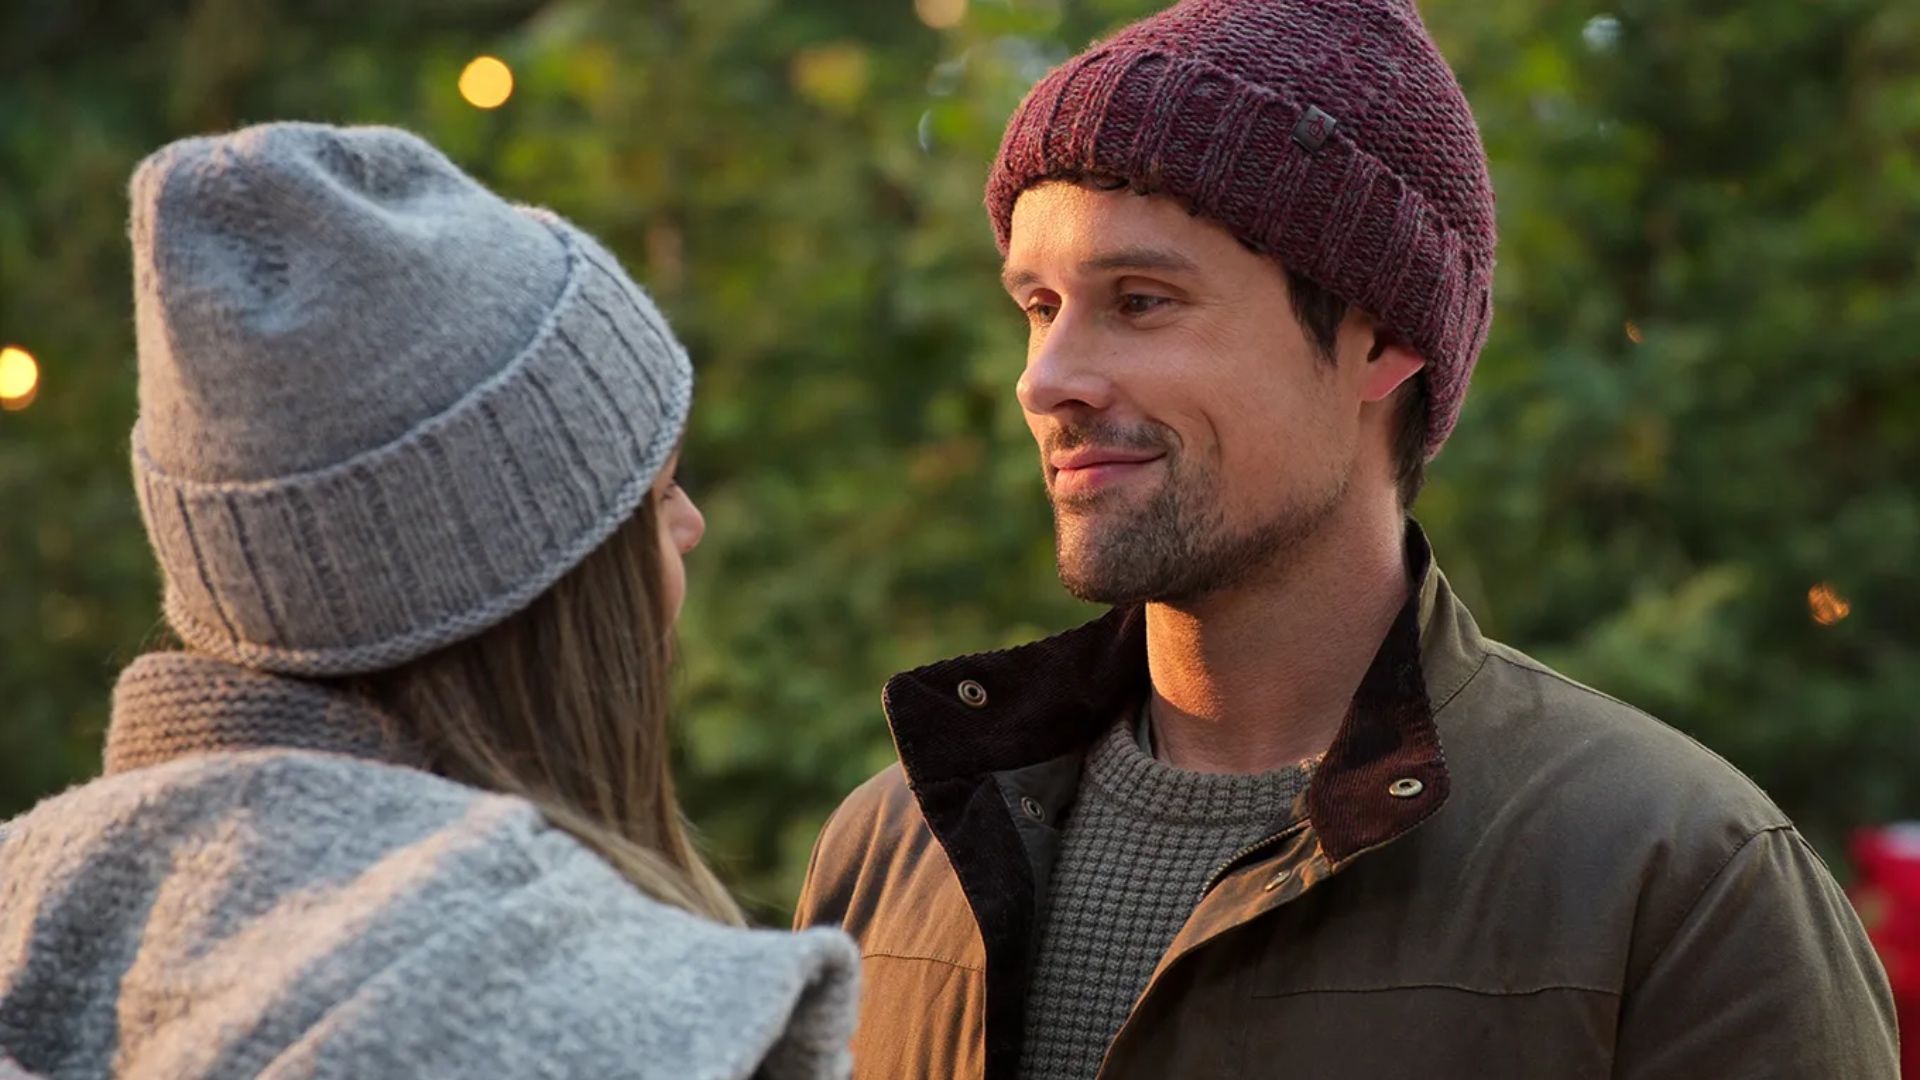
[[1284, 811]]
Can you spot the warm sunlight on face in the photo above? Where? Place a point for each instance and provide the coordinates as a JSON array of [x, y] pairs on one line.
[[681, 527], [1190, 434]]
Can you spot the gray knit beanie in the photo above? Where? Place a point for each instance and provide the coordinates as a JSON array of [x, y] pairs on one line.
[[380, 408]]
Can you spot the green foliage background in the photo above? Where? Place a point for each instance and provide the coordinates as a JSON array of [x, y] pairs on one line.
[[1700, 398]]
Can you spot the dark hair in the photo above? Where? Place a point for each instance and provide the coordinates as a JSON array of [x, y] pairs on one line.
[[1321, 311]]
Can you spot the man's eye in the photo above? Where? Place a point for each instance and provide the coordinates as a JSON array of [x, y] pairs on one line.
[[1142, 303], [1041, 314]]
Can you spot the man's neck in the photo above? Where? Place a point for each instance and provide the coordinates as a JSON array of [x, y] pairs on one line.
[[1261, 677]]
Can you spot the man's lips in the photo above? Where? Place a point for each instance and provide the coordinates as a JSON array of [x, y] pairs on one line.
[[1090, 469], [1092, 457]]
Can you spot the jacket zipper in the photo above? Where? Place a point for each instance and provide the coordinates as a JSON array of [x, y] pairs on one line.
[[1266, 841]]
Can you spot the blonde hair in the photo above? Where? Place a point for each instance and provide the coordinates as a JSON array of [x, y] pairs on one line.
[[565, 704]]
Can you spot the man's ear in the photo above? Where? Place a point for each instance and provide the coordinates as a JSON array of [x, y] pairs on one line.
[[1388, 366], [1388, 362]]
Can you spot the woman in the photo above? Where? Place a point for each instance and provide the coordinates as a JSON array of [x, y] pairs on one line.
[[401, 805]]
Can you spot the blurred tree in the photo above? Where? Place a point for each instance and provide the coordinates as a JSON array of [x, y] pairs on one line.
[[1700, 401]]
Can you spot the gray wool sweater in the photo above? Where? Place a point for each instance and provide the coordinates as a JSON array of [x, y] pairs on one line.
[[220, 905], [1140, 842]]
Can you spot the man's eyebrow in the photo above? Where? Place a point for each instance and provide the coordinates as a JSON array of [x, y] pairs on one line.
[[1139, 258], [1014, 280], [1133, 258]]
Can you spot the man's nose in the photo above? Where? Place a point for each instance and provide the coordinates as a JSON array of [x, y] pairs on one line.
[[1065, 372]]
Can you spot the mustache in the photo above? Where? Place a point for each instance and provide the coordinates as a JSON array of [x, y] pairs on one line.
[[1147, 437]]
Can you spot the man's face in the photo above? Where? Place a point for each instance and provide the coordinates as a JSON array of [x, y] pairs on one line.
[[1191, 434]]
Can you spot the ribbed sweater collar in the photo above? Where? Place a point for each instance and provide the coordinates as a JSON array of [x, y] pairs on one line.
[[168, 705], [1152, 789]]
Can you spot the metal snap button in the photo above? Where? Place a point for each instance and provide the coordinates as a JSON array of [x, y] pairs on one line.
[[1032, 808], [972, 694], [1405, 788]]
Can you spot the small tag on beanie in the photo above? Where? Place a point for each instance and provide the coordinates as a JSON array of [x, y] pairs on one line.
[[1314, 129]]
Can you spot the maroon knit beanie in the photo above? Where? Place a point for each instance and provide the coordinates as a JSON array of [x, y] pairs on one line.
[[1329, 134]]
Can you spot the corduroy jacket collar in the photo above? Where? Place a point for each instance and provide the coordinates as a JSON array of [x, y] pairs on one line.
[[991, 746], [1016, 708]]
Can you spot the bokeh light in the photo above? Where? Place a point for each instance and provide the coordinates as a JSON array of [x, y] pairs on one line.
[[834, 75], [487, 83], [941, 14], [1828, 607], [19, 378], [1601, 33]]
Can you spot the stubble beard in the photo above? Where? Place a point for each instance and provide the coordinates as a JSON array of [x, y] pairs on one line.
[[1177, 549]]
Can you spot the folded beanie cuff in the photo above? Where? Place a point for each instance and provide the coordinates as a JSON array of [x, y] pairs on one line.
[[1241, 154], [454, 526]]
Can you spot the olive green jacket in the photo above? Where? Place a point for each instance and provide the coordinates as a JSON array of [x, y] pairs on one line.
[[1497, 872]]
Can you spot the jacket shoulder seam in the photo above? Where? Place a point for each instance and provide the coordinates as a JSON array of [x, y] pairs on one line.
[[1687, 913], [1447, 698], [1810, 851], [1536, 668]]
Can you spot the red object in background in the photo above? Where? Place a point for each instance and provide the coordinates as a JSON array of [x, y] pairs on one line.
[[1887, 893]]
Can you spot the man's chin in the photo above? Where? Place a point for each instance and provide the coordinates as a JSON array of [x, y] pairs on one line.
[[1088, 576], [1079, 540], [1092, 589]]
